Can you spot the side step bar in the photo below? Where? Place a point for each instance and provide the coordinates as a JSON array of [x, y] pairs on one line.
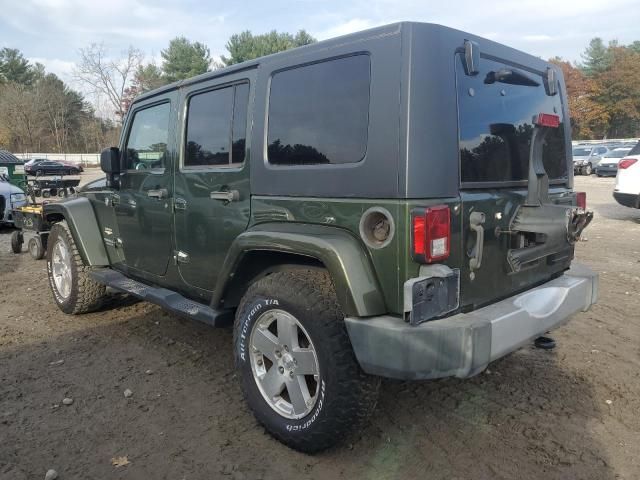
[[167, 299]]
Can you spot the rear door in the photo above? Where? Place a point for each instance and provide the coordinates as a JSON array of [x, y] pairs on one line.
[[212, 179], [496, 109]]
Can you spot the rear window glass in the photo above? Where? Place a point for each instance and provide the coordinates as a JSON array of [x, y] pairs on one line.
[[581, 152], [319, 113], [635, 150], [496, 110]]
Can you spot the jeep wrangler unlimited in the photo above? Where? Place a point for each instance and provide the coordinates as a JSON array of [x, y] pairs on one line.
[[397, 202]]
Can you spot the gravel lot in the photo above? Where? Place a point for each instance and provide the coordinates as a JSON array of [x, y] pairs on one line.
[[567, 413]]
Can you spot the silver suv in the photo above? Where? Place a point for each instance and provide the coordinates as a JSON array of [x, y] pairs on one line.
[[10, 197]]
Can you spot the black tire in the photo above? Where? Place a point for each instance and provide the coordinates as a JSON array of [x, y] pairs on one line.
[[39, 173], [46, 193], [17, 240], [36, 249], [346, 396], [86, 295]]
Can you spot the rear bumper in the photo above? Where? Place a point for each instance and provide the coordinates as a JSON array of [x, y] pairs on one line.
[[602, 170], [627, 199], [464, 344]]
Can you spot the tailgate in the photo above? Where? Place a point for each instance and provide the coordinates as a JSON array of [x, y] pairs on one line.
[[515, 218]]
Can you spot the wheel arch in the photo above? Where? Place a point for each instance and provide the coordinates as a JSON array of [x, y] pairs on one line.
[[84, 228], [269, 248]]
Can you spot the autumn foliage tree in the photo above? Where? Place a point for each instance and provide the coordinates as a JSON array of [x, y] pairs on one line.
[[604, 90]]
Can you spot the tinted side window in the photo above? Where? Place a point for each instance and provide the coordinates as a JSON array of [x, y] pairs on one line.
[[148, 138], [209, 128], [216, 127], [319, 113], [239, 130]]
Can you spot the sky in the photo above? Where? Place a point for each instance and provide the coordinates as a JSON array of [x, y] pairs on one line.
[[52, 31]]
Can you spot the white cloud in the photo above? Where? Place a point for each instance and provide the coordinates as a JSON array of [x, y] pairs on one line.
[[62, 68]]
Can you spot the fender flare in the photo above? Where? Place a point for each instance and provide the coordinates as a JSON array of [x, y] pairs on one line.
[[342, 254], [84, 227]]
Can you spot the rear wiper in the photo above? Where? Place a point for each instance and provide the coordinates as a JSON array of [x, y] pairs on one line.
[[510, 76]]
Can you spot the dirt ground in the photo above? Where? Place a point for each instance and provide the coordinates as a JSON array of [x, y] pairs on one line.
[[570, 413]]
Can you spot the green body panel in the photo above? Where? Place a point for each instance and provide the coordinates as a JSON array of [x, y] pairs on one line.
[[341, 253], [494, 281], [81, 218], [101, 198], [206, 228], [392, 264]]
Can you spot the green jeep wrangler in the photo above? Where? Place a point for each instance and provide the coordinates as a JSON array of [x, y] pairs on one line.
[[396, 202]]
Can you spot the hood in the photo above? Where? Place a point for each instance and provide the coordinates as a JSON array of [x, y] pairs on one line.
[[7, 188]]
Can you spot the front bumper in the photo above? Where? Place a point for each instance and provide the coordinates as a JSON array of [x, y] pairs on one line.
[[464, 344]]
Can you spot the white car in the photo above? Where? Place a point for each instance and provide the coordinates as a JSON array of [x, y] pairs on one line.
[[627, 189], [10, 197]]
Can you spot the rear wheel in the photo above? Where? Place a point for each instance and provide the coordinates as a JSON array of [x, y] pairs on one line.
[[36, 249], [17, 240], [74, 291], [297, 367]]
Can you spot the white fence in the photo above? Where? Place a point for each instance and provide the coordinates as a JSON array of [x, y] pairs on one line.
[[84, 159]]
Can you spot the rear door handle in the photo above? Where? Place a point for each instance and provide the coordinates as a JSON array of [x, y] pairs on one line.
[[159, 193], [226, 195]]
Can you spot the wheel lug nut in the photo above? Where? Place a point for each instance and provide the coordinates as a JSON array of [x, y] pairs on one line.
[[291, 374], [260, 362], [278, 354], [281, 369]]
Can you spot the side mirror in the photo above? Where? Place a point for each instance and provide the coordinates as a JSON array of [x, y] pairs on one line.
[[110, 164]]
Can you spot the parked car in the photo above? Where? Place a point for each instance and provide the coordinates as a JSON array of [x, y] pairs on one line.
[[35, 161], [51, 167], [608, 165], [10, 197], [586, 157], [627, 189], [345, 247]]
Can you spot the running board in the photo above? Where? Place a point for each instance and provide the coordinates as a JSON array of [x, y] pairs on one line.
[[167, 299]]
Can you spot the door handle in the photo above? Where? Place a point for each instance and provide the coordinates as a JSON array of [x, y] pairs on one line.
[[226, 195], [115, 199], [179, 204], [159, 193], [476, 221]]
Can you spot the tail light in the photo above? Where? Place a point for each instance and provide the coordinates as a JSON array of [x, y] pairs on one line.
[[431, 234], [626, 163], [581, 200]]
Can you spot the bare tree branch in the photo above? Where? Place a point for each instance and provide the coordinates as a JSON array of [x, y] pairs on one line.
[[108, 77]]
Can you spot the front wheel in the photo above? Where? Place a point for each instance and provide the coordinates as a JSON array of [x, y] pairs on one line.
[[587, 170], [74, 291], [298, 371]]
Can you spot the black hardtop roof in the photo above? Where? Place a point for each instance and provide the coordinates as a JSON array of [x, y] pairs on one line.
[[390, 29]]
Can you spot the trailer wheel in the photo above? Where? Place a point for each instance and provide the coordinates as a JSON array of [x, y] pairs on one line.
[[36, 249], [16, 241]]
